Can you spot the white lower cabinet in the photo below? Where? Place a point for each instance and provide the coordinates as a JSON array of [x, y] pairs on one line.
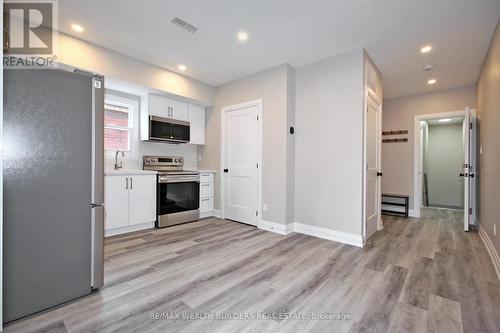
[[206, 194], [129, 203]]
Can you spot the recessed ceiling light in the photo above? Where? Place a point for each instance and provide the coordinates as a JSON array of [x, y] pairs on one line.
[[426, 49], [181, 67], [431, 81], [242, 36], [445, 120], [77, 27]]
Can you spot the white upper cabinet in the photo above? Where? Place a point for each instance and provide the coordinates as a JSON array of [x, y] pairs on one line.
[[160, 106], [167, 108], [197, 124], [178, 110]]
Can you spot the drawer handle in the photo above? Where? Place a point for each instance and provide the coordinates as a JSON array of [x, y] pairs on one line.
[[205, 199], [205, 184]]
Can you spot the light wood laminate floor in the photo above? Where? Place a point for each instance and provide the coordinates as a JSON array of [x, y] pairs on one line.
[[417, 275]]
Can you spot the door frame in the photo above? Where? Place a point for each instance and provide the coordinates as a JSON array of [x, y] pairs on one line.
[[223, 111], [374, 96], [417, 156]]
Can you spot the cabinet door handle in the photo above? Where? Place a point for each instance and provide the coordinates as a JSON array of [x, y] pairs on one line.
[[205, 199], [205, 184], [130, 182], [126, 183]]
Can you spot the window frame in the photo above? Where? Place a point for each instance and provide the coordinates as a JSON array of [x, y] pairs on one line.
[[132, 103]]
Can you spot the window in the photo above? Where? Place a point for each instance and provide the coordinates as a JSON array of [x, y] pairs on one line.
[[118, 125]]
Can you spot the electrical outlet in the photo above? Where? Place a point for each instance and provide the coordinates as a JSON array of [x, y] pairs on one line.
[[264, 207]]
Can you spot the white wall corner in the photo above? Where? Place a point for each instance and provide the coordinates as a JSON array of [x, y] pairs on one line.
[[282, 229], [333, 235], [495, 258], [217, 213]]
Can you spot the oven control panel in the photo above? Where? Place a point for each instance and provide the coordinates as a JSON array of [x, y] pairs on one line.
[[163, 161]]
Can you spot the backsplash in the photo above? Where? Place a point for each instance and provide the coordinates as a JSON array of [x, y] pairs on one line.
[[187, 151]]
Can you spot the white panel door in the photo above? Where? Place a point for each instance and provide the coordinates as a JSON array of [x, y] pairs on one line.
[[372, 144], [178, 110], [142, 199], [197, 124], [470, 170], [241, 142], [115, 202]]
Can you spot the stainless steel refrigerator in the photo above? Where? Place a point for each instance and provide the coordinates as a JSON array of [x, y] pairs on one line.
[[53, 188]]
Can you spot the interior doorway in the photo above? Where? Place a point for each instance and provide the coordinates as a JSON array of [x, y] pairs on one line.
[[442, 160], [445, 163]]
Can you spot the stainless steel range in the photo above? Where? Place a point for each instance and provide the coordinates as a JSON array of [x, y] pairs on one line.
[[178, 190]]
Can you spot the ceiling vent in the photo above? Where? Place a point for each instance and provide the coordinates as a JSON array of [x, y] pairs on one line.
[[184, 25], [429, 67]]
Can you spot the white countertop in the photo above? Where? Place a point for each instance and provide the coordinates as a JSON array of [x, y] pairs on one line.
[[128, 172]]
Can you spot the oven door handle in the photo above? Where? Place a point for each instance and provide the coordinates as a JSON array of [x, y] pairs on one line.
[[170, 181]]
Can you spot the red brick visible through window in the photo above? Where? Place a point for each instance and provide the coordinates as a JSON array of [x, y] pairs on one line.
[[117, 137]]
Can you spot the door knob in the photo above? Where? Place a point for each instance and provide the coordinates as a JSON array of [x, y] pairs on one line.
[[226, 170], [379, 174], [460, 175]]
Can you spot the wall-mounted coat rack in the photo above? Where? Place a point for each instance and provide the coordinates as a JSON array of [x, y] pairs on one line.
[[394, 140], [398, 132]]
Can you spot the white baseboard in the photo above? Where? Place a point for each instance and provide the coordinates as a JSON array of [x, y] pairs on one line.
[[210, 213], [412, 213], [206, 214], [337, 236], [217, 213], [491, 250], [127, 229], [282, 229]]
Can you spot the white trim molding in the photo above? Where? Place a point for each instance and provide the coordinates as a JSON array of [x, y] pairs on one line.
[[495, 259], [282, 229], [210, 213], [333, 235], [129, 228]]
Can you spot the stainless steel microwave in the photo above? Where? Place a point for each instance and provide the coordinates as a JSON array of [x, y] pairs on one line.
[[168, 130]]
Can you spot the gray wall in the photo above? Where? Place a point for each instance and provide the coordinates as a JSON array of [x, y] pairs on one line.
[[275, 88], [445, 159], [488, 106], [399, 113], [328, 143], [81, 54]]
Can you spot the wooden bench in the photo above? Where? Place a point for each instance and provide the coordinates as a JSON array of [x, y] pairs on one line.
[[395, 204]]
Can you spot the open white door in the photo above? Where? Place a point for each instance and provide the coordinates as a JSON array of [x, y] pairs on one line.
[[373, 172], [469, 167], [241, 151]]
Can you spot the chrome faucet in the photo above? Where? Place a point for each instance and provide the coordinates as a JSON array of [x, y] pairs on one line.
[[118, 166]]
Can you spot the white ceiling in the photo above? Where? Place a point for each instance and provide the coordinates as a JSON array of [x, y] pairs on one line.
[[297, 32]]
